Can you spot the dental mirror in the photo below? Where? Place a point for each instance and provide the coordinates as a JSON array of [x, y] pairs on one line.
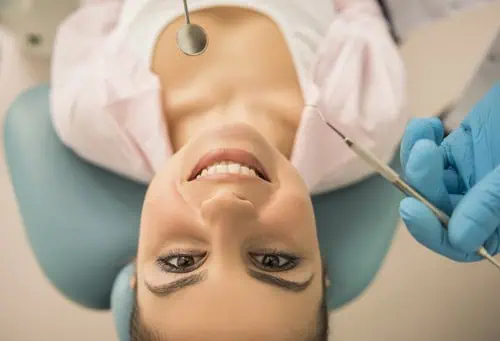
[[192, 39]]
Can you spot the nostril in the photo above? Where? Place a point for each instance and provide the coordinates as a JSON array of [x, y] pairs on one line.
[[230, 195], [240, 197], [34, 39]]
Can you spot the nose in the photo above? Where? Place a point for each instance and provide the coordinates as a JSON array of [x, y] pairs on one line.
[[226, 206]]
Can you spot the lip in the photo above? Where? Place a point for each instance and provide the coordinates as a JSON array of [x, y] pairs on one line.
[[230, 155]]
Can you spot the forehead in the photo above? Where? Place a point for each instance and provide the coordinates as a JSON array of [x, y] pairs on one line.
[[244, 317], [240, 327]]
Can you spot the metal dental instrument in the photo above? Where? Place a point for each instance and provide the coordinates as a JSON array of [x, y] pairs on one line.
[[192, 39], [393, 177]]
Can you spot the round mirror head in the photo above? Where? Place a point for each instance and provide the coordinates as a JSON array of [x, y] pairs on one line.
[[192, 40]]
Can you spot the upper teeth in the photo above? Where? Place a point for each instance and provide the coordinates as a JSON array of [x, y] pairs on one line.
[[227, 168]]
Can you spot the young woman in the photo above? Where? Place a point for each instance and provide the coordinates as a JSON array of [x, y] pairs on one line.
[[232, 151]]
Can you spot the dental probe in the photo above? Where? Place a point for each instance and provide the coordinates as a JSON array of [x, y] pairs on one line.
[[393, 177]]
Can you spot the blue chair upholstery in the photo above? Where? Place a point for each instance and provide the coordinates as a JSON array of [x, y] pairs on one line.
[[82, 222]]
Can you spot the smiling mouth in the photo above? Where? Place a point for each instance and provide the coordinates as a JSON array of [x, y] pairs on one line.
[[225, 163]]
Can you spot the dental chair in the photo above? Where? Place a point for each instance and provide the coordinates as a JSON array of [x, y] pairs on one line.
[[82, 222]]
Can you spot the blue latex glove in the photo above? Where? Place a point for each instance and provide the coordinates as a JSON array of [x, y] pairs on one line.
[[460, 174]]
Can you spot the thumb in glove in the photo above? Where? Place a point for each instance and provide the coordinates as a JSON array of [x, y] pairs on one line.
[[476, 220]]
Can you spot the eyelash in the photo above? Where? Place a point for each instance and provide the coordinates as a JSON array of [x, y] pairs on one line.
[[164, 261], [293, 260]]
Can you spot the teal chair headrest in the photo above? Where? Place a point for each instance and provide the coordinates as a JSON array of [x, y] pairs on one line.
[[82, 222]]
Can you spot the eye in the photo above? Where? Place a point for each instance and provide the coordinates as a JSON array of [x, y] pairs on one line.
[[273, 261], [181, 262]]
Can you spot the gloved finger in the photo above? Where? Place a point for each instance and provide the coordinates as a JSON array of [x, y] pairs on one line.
[[459, 155], [452, 181], [418, 129], [477, 217], [492, 245], [482, 123], [455, 199], [424, 226], [424, 171]]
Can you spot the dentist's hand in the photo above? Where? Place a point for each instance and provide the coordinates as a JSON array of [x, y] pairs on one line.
[[460, 174]]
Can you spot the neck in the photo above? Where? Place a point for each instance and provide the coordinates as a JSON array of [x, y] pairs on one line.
[[246, 75]]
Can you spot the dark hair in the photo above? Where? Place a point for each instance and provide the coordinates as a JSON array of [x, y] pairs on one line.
[[140, 332]]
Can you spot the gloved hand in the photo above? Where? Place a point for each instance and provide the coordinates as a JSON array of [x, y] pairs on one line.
[[460, 174]]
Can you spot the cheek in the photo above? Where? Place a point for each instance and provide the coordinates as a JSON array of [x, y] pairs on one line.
[[292, 202], [163, 213], [293, 199], [291, 212]]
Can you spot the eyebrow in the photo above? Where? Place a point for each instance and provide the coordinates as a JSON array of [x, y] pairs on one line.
[[167, 289]]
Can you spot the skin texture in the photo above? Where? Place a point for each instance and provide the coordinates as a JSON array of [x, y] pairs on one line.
[[227, 226], [246, 75]]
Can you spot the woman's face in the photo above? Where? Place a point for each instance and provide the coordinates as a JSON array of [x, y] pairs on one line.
[[229, 255]]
